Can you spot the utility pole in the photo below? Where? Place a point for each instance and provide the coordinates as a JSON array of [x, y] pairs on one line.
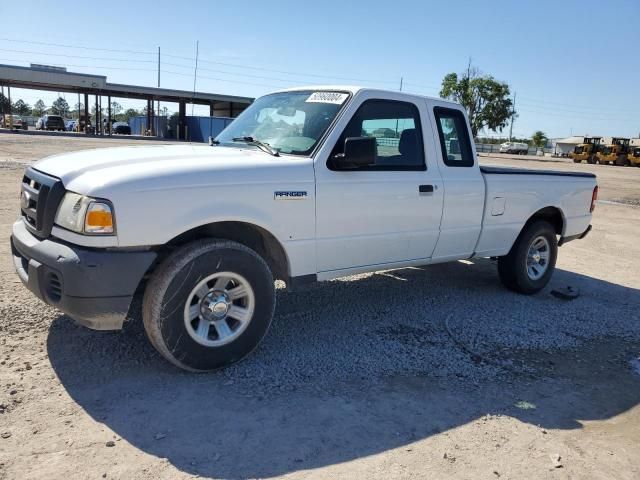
[[195, 76], [513, 115], [401, 83], [158, 113]]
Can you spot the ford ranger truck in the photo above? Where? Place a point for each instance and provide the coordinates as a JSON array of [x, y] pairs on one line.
[[305, 185]]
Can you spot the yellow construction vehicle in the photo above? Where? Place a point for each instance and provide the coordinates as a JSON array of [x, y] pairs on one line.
[[586, 150], [615, 153], [634, 155]]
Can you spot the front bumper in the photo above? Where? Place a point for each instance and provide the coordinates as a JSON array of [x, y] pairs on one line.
[[92, 286]]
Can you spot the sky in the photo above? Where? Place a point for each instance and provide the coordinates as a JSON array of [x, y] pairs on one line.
[[573, 65]]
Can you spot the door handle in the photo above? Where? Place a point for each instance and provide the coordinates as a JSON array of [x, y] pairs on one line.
[[425, 188]]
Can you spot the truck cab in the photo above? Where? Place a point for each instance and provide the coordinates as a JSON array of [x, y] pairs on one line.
[[306, 185], [634, 155], [614, 153], [587, 150]]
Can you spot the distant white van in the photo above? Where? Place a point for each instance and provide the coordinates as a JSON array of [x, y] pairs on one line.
[[513, 147]]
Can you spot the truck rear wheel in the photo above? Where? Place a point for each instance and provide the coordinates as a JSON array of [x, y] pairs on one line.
[[529, 264], [209, 304]]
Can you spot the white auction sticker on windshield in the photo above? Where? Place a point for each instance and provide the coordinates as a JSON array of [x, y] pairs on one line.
[[327, 97]]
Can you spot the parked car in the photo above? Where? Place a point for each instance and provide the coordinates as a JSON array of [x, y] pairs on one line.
[[50, 122], [121, 128], [203, 231], [14, 121], [514, 147], [83, 124], [71, 126]]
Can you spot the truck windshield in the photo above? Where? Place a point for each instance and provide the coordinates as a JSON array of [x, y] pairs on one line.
[[289, 122]]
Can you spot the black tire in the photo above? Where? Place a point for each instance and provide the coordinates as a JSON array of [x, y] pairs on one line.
[[171, 286], [512, 268], [622, 161], [577, 161]]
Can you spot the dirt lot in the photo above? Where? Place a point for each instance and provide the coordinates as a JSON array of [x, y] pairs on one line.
[[418, 373]]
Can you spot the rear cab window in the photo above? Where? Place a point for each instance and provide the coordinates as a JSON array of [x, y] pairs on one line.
[[453, 134]]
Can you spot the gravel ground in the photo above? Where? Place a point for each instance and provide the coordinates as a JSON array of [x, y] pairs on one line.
[[416, 373]]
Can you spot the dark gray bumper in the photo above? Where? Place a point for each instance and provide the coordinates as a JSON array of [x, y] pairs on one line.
[[92, 286], [579, 236]]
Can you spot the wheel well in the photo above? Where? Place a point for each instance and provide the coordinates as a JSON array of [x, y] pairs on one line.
[[252, 236], [552, 215]]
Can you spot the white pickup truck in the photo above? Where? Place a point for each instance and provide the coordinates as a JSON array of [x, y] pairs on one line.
[[306, 185]]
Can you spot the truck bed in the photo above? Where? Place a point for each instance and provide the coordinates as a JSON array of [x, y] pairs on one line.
[[492, 170]]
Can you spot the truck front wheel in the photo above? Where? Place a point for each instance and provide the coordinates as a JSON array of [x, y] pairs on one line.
[[209, 304], [529, 264]]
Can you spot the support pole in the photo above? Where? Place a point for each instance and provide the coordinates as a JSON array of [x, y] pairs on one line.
[[230, 109], [10, 109], [153, 118], [211, 109], [182, 112], [149, 118], [109, 122], [97, 126], [87, 119]]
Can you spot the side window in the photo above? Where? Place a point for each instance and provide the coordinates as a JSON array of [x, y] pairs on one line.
[[397, 130], [454, 137]]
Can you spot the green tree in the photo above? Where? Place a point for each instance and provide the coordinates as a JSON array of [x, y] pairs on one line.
[[116, 108], [78, 109], [5, 106], [539, 139], [38, 109], [130, 113], [21, 108], [60, 107], [486, 100]]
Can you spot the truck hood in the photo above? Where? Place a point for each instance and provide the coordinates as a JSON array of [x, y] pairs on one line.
[[99, 172]]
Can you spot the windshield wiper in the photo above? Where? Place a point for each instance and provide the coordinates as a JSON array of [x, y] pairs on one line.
[[265, 147]]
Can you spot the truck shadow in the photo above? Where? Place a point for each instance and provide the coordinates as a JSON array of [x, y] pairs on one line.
[[359, 366]]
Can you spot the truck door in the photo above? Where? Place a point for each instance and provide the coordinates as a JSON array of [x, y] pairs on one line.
[[463, 184], [384, 213]]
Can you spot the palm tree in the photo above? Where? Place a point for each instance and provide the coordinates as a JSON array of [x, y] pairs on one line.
[[539, 139]]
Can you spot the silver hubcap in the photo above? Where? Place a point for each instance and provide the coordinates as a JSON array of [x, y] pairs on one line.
[[219, 309], [538, 257]]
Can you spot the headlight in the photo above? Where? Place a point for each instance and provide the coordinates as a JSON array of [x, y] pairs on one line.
[[87, 215]]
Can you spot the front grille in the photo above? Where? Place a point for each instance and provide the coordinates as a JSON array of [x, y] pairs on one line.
[[39, 200]]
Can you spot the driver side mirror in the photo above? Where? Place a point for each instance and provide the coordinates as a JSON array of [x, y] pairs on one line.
[[358, 152]]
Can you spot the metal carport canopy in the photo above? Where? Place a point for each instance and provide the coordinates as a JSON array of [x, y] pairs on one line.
[[57, 80]]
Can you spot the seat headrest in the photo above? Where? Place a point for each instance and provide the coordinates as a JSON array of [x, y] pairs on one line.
[[408, 142]]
